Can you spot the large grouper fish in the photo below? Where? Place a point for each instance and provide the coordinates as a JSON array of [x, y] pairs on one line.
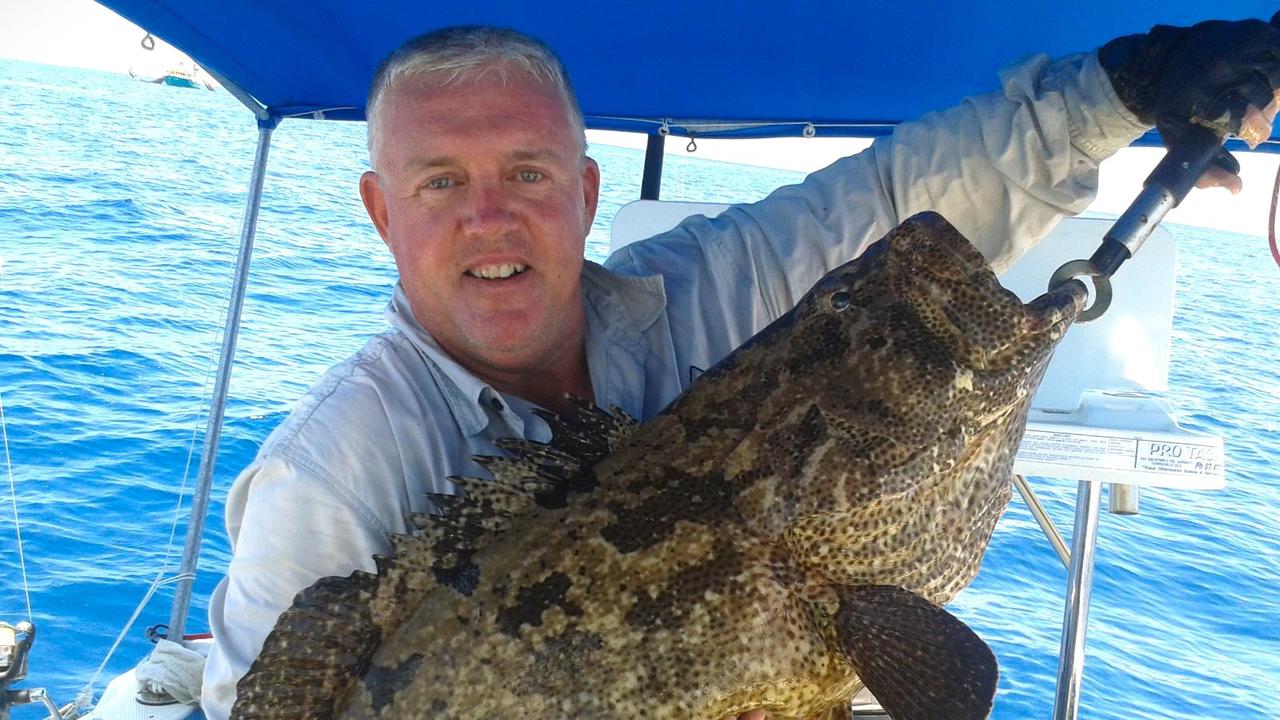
[[783, 534]]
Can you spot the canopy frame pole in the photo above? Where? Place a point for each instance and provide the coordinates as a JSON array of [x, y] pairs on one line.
[[1084, 539], [1042, 519], [217, 405], [654, 153]]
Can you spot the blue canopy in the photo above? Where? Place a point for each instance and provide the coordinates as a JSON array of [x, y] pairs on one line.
[[849, 67]]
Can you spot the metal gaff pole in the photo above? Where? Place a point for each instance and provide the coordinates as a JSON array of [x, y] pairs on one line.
[[1084, 536], [217, 406], [1164, 189]]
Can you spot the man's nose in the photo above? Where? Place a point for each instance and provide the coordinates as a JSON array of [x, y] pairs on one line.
[[489, 207]]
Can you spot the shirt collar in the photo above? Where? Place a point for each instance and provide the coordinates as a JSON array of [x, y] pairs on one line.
[[462, 390], [619, 306]]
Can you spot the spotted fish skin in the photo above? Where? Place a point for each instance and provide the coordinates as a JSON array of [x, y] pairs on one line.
[[782, 534]]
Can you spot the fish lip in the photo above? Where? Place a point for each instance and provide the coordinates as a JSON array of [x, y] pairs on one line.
[[1059, 306]]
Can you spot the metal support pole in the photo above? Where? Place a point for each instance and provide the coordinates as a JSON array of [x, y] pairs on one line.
[[1075, 619], [217, 406], [651, 181], [1042, 518]]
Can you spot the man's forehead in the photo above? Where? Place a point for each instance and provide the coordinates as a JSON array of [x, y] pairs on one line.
[[441, 120], [484, 80], [475, 108]]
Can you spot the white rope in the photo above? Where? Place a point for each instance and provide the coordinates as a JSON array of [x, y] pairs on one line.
[[186, 475], [87, 692], [85, 698], [13, 496], [86, 695]]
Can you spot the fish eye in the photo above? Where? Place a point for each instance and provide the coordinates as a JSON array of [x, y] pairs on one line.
[[840, 300]]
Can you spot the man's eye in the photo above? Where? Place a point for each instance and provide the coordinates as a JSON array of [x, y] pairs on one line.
[[530, 176], [439, 183]]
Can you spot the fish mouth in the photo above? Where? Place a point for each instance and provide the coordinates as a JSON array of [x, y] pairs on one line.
[[1058, 307]]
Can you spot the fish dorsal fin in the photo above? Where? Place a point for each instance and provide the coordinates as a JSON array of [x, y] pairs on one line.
[[324, 642], [591, 432], [534, 474]]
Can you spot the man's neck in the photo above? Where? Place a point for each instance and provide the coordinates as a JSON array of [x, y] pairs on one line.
[[551, 390], [547, 384]]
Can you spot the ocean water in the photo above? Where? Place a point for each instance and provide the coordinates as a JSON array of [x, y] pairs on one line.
[[120, 206]]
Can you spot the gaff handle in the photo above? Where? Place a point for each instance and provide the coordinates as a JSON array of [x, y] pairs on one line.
[[1163, 190]]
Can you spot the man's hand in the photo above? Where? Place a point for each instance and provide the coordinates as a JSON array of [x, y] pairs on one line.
[[1217, 74]]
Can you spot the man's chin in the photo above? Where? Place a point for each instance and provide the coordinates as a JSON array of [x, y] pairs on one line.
[[513, 348]]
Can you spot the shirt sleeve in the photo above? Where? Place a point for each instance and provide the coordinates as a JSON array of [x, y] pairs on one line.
[[1003, 167], [288, 527]]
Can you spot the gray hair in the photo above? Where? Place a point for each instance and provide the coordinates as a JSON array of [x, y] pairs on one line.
[[458, 54]]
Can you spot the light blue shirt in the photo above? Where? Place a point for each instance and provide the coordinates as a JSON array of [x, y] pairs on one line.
[[389, 425]]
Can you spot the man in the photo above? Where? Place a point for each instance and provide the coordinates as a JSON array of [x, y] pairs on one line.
[[482, 191]]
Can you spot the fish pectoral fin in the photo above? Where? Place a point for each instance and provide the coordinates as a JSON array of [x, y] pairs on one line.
[[918, 660], [318, 650]]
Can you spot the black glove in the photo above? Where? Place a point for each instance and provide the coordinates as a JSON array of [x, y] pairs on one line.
[[1207, 74]]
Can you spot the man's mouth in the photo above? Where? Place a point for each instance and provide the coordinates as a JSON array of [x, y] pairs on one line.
[[495, 272]]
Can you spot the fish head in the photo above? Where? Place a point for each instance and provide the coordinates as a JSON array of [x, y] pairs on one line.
[[916, 337]]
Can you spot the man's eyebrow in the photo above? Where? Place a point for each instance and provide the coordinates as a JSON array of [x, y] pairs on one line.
[[421, 164], [426, 163], [526, 155]]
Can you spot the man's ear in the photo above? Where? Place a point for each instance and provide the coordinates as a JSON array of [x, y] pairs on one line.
[[590, 189], [375, 203]]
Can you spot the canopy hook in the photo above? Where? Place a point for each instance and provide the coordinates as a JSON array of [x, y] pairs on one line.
[[809, 130], [148, 42], [692, 146], [664, 129]]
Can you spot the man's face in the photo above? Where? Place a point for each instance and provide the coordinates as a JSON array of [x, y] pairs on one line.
[[482, 195]]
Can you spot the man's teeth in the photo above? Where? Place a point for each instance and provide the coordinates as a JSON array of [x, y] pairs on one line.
[[491, 272]]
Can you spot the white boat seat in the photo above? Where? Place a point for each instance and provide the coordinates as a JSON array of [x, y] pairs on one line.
[[1099, 414]]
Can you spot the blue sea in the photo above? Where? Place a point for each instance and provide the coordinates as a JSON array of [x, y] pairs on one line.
[[120, 208]]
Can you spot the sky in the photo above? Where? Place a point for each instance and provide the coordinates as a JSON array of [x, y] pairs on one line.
[[81, 33], [78, 33]]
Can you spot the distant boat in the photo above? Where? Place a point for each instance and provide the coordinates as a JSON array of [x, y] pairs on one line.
[[176, 77]]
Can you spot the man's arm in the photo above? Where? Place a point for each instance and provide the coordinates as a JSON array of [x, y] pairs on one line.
[[1003, 167]]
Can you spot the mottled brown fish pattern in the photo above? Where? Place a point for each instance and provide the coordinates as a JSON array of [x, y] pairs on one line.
[[783, 534]]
